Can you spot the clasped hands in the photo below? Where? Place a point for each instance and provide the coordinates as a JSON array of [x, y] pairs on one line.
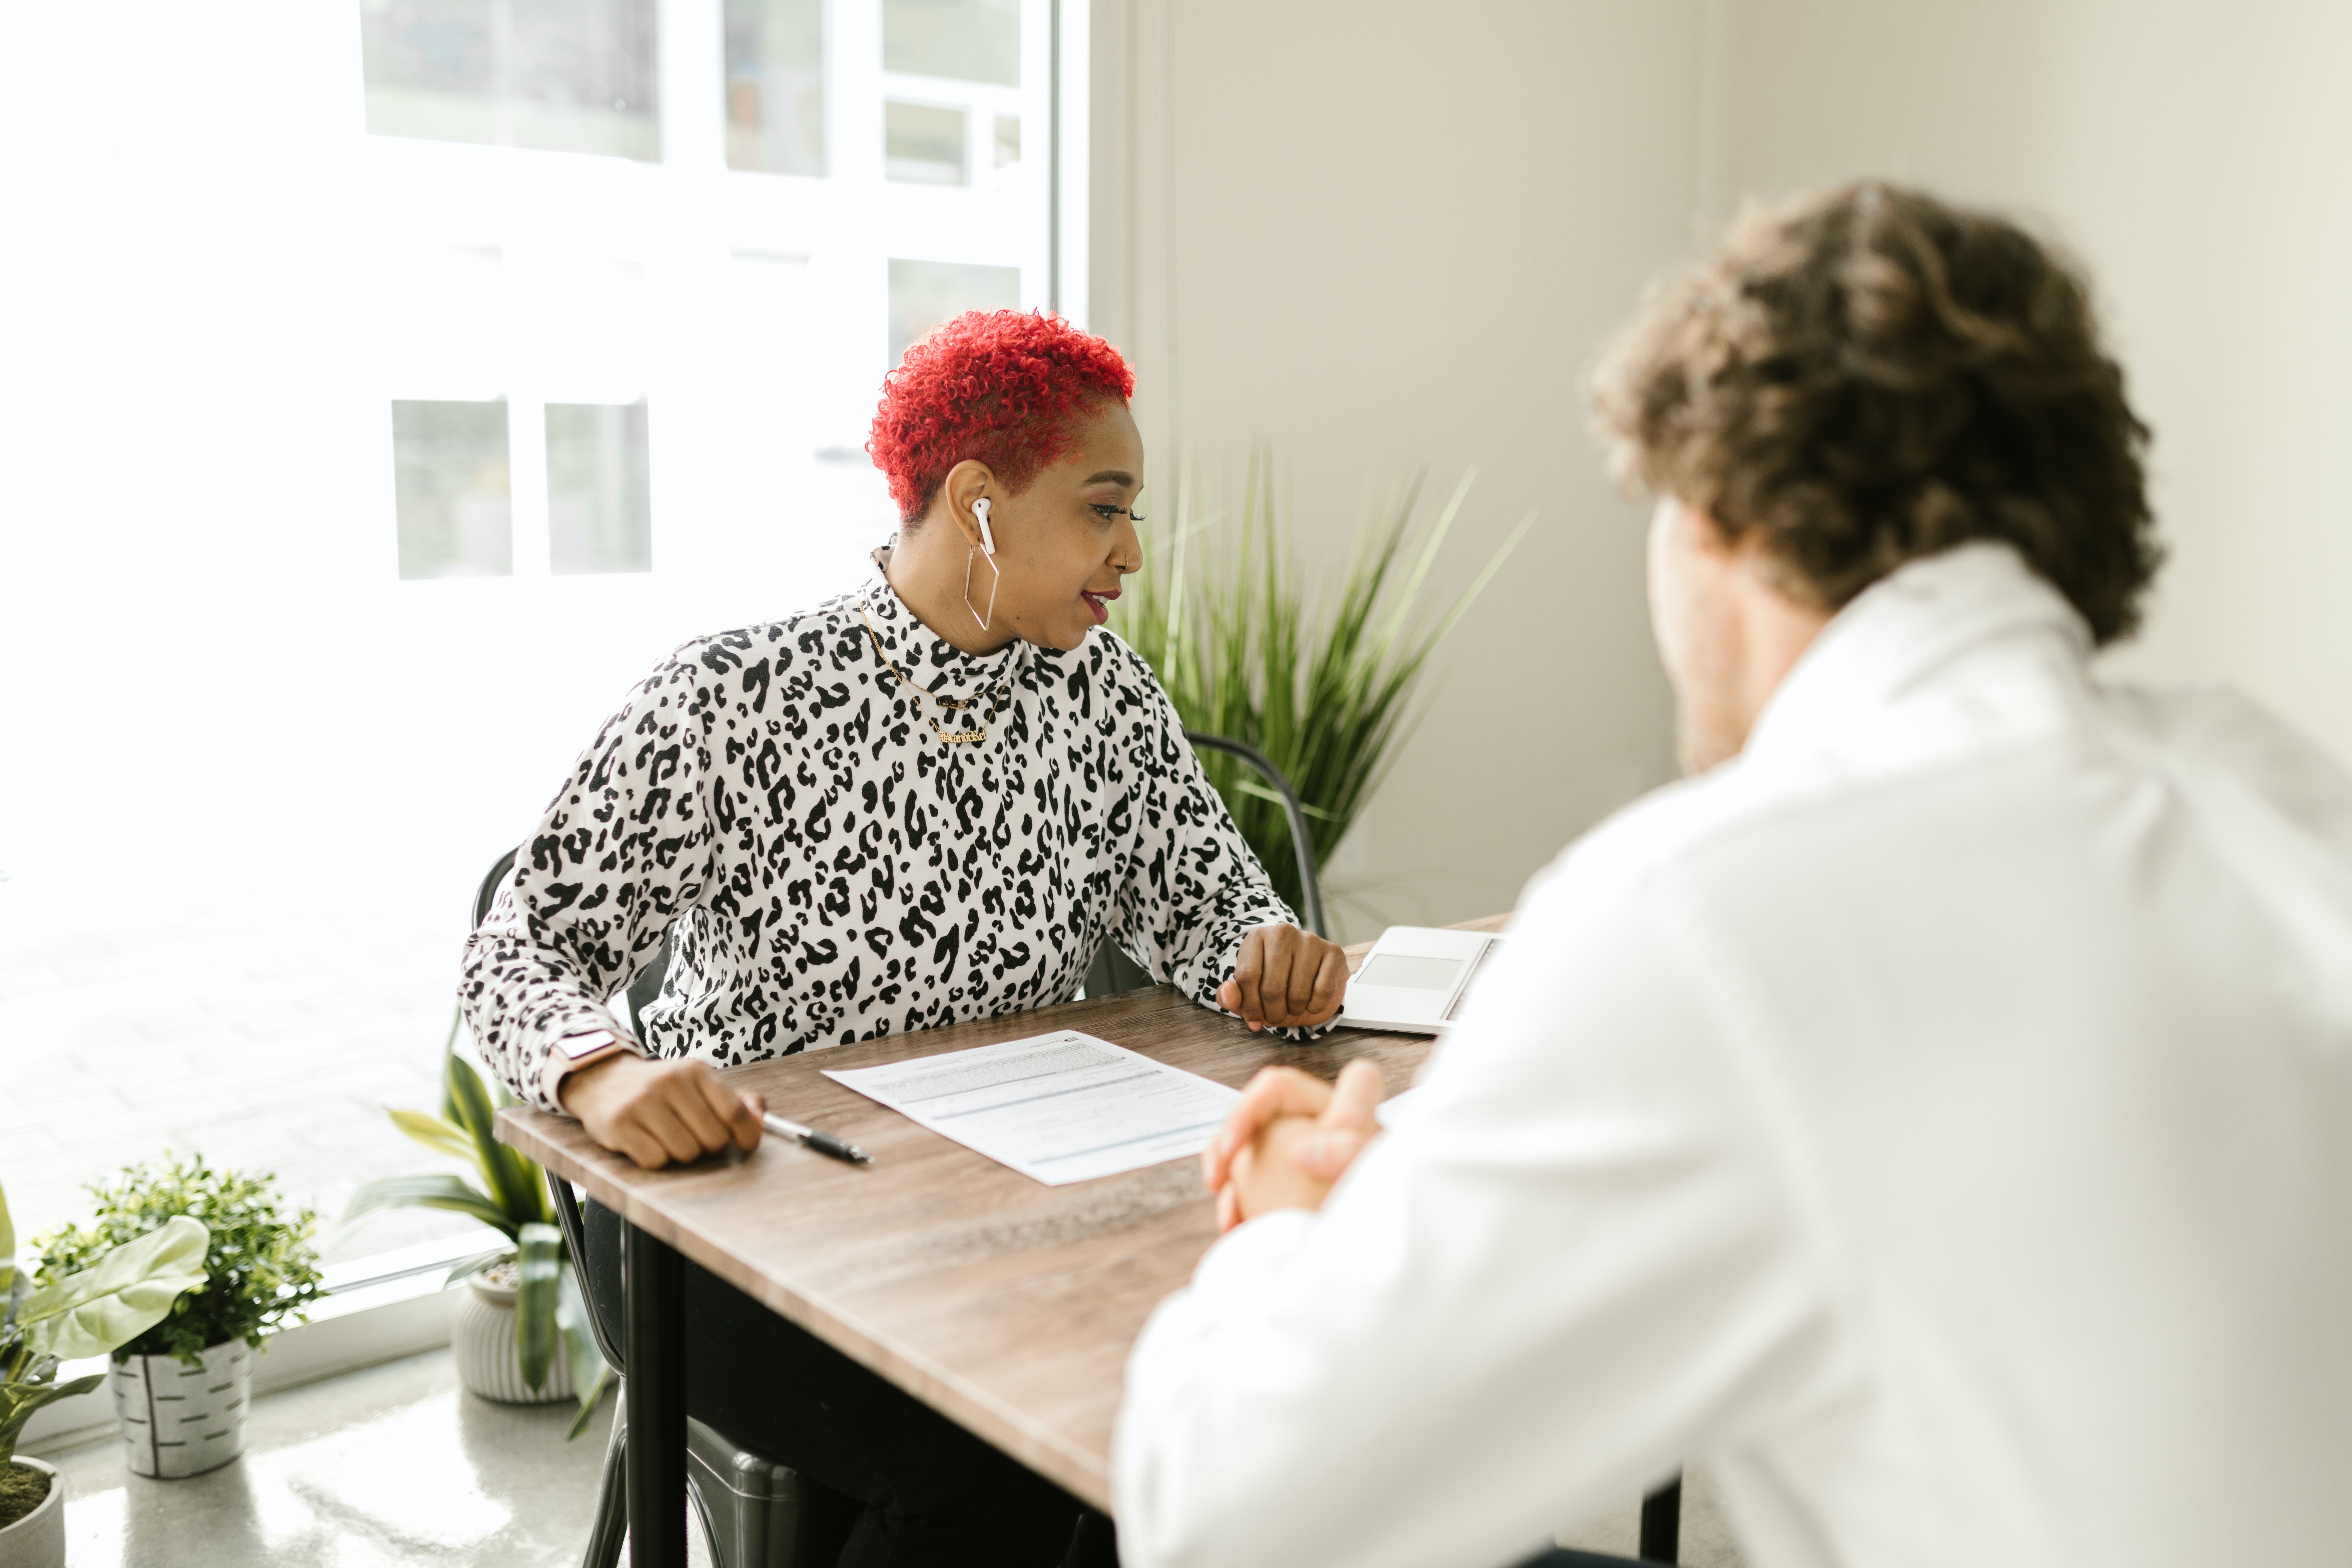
[[1290, 1138]]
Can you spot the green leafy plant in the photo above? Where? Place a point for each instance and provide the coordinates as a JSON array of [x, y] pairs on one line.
[[551, 1315], [262, 1267], [123, 1292], [1323, 684]]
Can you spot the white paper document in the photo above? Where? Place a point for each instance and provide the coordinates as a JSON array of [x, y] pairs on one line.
[[1061, 1108]]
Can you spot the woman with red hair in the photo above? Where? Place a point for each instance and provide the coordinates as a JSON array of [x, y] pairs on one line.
[[926, 801]]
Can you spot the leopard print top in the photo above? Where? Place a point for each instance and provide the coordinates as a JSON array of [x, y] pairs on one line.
[[835, 872]]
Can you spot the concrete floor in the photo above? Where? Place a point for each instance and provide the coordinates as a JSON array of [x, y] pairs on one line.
[[394, 1465], [397, 1465]]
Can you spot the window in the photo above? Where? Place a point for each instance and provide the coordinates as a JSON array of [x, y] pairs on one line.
[[775, 85], [533, 339], [970, 40], [925, 294], [923, 143], [449, 474], [572, 76], [598, 515]]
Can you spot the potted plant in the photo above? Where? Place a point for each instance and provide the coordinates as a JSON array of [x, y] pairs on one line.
[[521, 1331], [125, 1291], [1323, 688], [181, 1386]]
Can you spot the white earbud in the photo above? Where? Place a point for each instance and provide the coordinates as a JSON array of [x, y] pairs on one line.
[[987, 540]]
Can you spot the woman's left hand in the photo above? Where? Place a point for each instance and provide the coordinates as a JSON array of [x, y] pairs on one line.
[[1286, 978]]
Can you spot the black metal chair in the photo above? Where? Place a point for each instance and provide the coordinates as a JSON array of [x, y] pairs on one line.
[[747, 1504], [1662, 1523], [1113, 971]]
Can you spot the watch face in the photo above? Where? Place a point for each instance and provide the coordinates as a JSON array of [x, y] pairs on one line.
[[578, 1045]]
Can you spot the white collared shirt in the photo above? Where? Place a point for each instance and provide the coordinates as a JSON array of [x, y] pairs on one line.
[[1937, 1121]]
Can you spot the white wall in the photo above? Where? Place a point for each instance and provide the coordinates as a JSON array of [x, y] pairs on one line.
[[1391, 234], [1400, 242], [2198, 158]]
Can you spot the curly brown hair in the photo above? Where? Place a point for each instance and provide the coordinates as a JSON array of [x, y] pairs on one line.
[[1869, 375]]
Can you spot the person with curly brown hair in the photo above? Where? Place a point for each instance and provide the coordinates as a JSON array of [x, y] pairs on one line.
[[1934, 1116]]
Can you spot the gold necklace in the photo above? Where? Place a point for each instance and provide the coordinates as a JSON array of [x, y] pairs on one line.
[[970, 737]]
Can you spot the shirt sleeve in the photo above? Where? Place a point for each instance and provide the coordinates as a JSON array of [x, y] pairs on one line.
[[1194, 888], [623, 851], [1574, 1257]]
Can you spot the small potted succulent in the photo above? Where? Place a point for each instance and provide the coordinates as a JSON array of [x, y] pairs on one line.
[[521, 1331], [125, 1291], [181, 1387]]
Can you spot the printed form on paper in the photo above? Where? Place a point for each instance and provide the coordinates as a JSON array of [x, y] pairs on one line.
[[1060, 1107]]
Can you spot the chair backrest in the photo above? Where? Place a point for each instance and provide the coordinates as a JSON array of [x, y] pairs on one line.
[[642, 990], [1113, 971], [488, 893], [1310, 890]]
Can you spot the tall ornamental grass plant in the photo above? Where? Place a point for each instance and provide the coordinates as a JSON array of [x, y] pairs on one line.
[[1322, 679]]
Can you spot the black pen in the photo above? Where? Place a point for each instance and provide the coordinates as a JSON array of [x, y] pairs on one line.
[[823, 1142]]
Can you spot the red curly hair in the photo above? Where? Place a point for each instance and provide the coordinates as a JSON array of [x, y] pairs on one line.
[[999, 386]]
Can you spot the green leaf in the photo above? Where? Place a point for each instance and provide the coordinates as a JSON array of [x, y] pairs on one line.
[[589, 1373], [448, 1049], [19, 1400], [540, 1256], [128, 1292], [435, 1134], [450, 1192], [31, 1396], [509, 1187], [595, 1391]]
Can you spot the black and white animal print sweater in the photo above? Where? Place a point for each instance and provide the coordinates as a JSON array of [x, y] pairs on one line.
[[835, 871]]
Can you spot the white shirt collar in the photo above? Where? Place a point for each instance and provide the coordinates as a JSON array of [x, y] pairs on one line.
[[1897, 634]]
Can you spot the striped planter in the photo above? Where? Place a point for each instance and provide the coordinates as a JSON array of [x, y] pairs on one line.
[[180, 1420], [489, 1361]]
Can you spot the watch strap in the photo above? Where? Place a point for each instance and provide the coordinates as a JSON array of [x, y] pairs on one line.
[[579, 1050]]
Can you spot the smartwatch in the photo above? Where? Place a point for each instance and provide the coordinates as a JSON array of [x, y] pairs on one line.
[[579, 1050]]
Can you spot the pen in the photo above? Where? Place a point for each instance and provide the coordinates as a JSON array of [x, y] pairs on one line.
[[823, 1142]]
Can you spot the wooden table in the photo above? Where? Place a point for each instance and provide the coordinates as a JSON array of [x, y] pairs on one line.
[[1006, 1305]]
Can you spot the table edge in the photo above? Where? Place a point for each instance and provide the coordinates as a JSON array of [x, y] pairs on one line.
[[529, 1131]]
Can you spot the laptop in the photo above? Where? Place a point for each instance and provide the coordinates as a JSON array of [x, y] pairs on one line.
[[1415, 977]]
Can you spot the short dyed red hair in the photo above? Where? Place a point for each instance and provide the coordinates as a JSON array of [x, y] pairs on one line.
[[999, 386]]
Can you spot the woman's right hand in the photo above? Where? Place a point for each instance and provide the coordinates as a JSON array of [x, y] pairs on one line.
[[659, 1111]]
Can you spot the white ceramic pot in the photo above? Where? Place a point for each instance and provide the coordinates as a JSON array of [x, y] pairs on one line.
[[490, 1358], [39, 1540], [180, 1420]]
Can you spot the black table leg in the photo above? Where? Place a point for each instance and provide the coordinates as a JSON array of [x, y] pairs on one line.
[[655, 1346], [1662, 1523]]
